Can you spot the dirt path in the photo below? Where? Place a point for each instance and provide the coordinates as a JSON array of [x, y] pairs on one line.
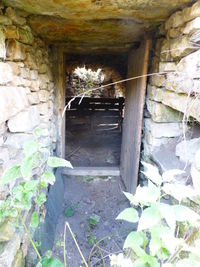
[[104, 198]]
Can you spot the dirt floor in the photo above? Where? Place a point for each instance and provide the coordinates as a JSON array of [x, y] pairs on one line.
[[85, 197]]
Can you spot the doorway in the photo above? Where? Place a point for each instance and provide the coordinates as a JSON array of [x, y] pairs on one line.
[[134, 66]]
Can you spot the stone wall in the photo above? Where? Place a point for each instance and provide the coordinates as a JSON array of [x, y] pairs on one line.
[[175, 91], [27, 95]]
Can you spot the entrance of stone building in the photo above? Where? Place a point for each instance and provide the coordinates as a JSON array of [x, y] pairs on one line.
[[102, 140], [103, 134]]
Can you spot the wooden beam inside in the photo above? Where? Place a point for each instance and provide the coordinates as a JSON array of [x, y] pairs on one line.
[[92, 171]]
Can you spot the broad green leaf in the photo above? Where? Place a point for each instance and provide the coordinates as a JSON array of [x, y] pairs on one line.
[[31, 185], [30, 148], [55, 162], [94, 219], [140, 263], [152, 173], [178, 191], [48, 177], [27, 166], [140, 252], [145, 195], [167, 213], [129, 215], [134, 237], [34, 220], [153, 262], [51, 262], [155, 245], [149, 217], [10, 175], [183, 214], [41, 199], [168, 176], [170, 242]]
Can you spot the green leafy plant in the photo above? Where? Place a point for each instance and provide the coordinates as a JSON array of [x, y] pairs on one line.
[[31, 178], [94, 220], [158, 240], [69, 212]]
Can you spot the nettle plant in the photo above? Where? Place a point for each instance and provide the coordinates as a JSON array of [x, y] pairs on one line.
[[31, 179], [167, 233]]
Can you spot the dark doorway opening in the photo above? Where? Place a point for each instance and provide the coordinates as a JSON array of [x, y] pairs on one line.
[[94, 131], [94, 120]]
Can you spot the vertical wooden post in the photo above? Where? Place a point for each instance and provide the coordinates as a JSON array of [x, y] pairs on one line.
[[59, 75], [133, 120]]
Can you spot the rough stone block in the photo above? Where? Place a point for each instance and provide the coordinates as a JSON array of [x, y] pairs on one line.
[[176, 20], [187, 149], [35, 86], [192, 12], [33, 98], [167, 66], [33, 74], [5, 20], [4, 155], [31, 62], [43, 108], [17, 140], [174, 33], [165, 51], [180, 84], [6, 74], [15, 50], [19, 81], [43, 68], [43, 95], [158, 80], [12, 101], [26, 36], [16, 19], [192, 26], [2, 45], [24, 121], [181, 47], [25, 73], [11, 32], [153, 142], [162, 113], [10, 250], [6, 231], [190, 65], [183, 103], [15, 68], [159, 130], [155, 93]]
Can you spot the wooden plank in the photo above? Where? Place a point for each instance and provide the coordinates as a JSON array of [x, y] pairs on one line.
[[133, 120], [96, 100], [72, 112], [92, 171], [59, 75]]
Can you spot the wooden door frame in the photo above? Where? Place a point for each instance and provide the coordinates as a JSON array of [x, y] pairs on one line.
[[60, 94], [131, 135]]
